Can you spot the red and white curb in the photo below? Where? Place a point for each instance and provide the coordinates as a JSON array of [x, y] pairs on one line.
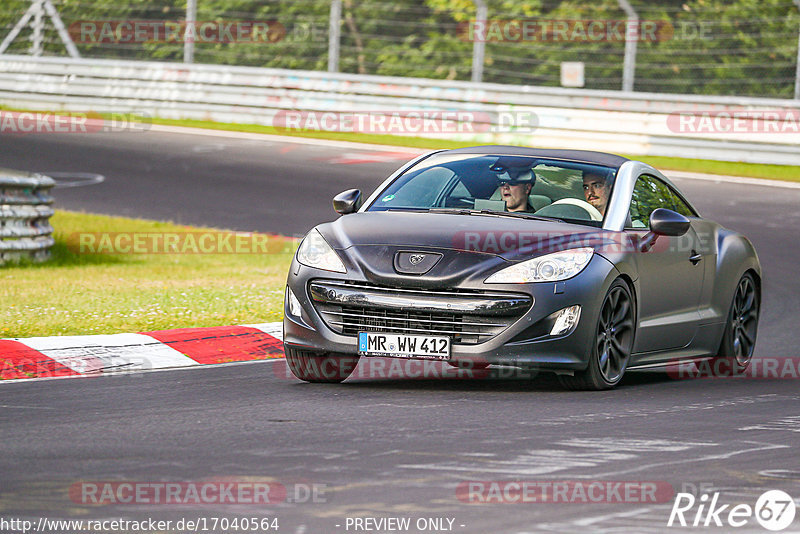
[[64, 356]]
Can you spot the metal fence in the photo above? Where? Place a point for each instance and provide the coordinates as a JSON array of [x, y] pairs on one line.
[[708, 47], [630, 123], [25, 230]]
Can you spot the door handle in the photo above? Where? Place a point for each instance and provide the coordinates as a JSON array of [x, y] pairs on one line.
[[695, 257]]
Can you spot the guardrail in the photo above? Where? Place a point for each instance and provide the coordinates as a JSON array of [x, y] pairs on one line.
[[632, 123], [25, 230]]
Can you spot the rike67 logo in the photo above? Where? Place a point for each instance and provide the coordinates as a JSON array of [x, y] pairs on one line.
[[774, 510]]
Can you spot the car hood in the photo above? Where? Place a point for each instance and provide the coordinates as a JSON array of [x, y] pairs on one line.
[[464, 246], [484, 234]]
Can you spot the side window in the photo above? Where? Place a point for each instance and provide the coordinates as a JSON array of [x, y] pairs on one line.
[[423, 190], [681, 206], [649, 194]]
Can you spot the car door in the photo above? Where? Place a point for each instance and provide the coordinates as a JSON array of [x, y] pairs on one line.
[[670, 273]]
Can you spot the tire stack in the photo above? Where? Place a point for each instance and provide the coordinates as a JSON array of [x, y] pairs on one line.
[[25, 211]]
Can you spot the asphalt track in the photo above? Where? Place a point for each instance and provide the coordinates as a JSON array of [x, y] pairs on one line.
[[376, 446]]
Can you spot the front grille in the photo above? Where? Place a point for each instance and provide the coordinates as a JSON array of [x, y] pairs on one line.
[[468, 318]]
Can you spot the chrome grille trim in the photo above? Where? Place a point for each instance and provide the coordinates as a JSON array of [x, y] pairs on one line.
[[485, 304], [368, 327], [437, 321], [469, 317]]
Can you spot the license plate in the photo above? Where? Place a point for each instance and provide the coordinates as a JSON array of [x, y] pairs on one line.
[[403, 346]]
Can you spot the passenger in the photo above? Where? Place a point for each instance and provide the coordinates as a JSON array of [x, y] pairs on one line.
[[596, 189]]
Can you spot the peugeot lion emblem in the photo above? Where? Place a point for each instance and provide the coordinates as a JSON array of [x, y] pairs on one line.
[[416, 258]]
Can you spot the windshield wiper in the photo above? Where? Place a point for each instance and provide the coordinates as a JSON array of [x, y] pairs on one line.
[[453, 211], [520, 215], [406, 209], [515, 214]]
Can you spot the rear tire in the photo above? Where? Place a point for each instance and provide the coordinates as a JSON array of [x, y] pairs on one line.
[[739, 339], [611, 345], [319, 368]]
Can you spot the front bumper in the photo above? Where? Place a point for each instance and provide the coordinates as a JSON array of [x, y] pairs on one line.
[[523, 343]]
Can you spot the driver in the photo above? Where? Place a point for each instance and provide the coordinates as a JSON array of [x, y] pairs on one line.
[[515, 190], [596, 189]]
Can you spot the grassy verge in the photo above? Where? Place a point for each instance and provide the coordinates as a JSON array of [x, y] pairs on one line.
[[663, 163], [103, 293], [727, 168]]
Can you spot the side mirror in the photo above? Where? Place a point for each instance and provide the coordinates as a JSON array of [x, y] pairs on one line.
[[664, 222], [669, 223], [347, 201]]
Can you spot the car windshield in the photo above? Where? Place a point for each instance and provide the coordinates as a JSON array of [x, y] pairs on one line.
[[570, 191]]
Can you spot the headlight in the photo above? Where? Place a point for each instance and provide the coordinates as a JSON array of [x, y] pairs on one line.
[[315, 252], [548, 268]]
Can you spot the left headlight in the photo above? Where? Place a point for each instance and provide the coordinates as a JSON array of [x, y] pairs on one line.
[[549, 268], [315, 252]]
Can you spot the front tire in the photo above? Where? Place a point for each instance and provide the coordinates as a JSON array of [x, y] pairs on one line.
[[319, 368], [612, 344], [739, 339]]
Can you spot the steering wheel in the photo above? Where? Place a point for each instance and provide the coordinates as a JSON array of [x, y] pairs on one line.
[[593, 212]]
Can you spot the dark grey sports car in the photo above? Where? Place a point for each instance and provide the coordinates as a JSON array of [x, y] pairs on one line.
[[581, 263]]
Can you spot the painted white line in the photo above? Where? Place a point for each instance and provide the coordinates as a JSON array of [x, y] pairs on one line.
[[5, 383], [12, 406], [788, 424], [286, 139], [710, 457], [110, 352], [416, 151], [134, 372], [74, 179], [731, 179]]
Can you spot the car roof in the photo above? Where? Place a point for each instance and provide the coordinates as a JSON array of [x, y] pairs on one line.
[[581, 156]]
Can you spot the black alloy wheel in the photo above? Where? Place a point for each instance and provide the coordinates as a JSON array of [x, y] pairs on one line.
[[739, 339], [612, 343]]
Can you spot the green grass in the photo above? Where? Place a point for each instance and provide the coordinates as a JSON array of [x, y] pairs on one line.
[[787, 173], [86, 293]]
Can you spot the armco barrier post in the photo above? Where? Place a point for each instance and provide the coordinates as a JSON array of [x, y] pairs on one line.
[[25, 210]]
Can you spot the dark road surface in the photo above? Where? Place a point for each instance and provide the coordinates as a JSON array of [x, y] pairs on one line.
[[377, 447]]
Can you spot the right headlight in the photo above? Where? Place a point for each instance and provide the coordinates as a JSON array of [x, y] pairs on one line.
[[548, 268], [315, 252]]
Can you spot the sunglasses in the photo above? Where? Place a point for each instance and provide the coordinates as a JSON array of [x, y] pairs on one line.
[[501, 183]]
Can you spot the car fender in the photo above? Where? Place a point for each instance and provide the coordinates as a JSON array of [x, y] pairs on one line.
[[624, 266], [735, 256], [623, 269]]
